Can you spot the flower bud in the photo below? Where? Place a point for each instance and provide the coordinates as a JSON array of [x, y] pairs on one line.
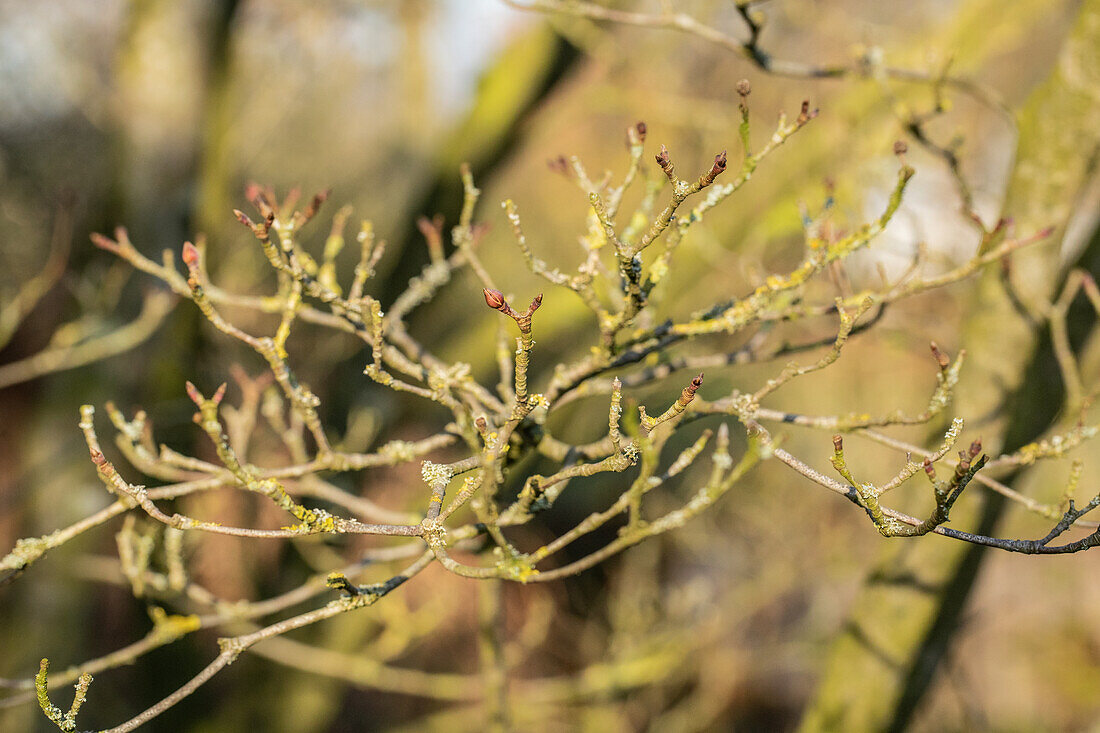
[[190, 255], [494, 299]]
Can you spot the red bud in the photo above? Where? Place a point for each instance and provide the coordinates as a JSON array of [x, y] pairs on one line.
[[494, 299], [190, 255]]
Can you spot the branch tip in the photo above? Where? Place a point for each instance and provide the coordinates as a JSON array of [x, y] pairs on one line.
[[243, 218], [940, 357], [696, 383], [665, 162], [535, 303], [190, 255], [319, 198], [194, 393], [715, 170], [806, 114], [340, 582], [559, 165], [104, 242]]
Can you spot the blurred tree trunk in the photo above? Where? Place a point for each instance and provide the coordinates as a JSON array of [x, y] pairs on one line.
[[214, 201], [527, 71], [156, 113], [903, 620]]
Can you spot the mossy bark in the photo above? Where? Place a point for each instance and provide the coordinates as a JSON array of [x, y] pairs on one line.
[[904, 617]]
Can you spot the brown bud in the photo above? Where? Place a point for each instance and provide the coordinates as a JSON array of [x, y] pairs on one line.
[[929, 468], [559, 165], [715, 170], [838, 443], [665, 162], [744, 88], [975, 447], [900, 148], [100, 461], [481, 423], [806, 114], [688, 392], [941, 358], [315, 204], [640, 128], [495, 299], [535, 303]]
